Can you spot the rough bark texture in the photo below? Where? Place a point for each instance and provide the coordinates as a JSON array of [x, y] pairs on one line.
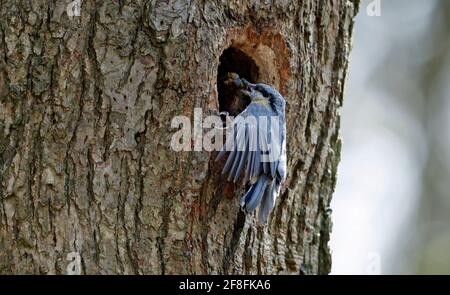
[[86, 105]]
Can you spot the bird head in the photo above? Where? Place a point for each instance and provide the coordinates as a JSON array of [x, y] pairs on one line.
[[233, 101], [255, 92], [233, 80], [262, 91], [251, 90]]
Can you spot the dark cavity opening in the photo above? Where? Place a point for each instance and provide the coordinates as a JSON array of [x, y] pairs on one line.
[[236, 61]]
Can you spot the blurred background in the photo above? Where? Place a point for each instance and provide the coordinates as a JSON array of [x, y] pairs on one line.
[[391, 207]]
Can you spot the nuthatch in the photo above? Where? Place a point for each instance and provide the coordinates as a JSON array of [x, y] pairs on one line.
[[257, 147], [231, 87]]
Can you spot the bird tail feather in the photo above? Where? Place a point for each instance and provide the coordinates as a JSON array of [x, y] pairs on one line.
[[268, 201], [254, 195]]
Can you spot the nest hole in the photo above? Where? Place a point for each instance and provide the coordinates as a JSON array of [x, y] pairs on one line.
[[234, 60]]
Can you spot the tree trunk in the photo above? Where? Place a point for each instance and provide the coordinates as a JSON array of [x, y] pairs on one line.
[[86, 104]]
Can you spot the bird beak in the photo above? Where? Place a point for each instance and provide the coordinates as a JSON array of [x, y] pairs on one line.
[[249, 89], [247, 84]]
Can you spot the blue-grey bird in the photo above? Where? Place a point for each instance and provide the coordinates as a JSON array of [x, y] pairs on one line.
[[257, 148]]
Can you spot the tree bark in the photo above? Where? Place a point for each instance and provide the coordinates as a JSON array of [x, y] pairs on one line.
[[86, 104]]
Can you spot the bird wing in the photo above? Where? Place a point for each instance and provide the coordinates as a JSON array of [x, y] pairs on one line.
[[254, 144]]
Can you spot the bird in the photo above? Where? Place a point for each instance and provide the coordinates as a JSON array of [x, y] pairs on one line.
[[256, 148], [234, 101]]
